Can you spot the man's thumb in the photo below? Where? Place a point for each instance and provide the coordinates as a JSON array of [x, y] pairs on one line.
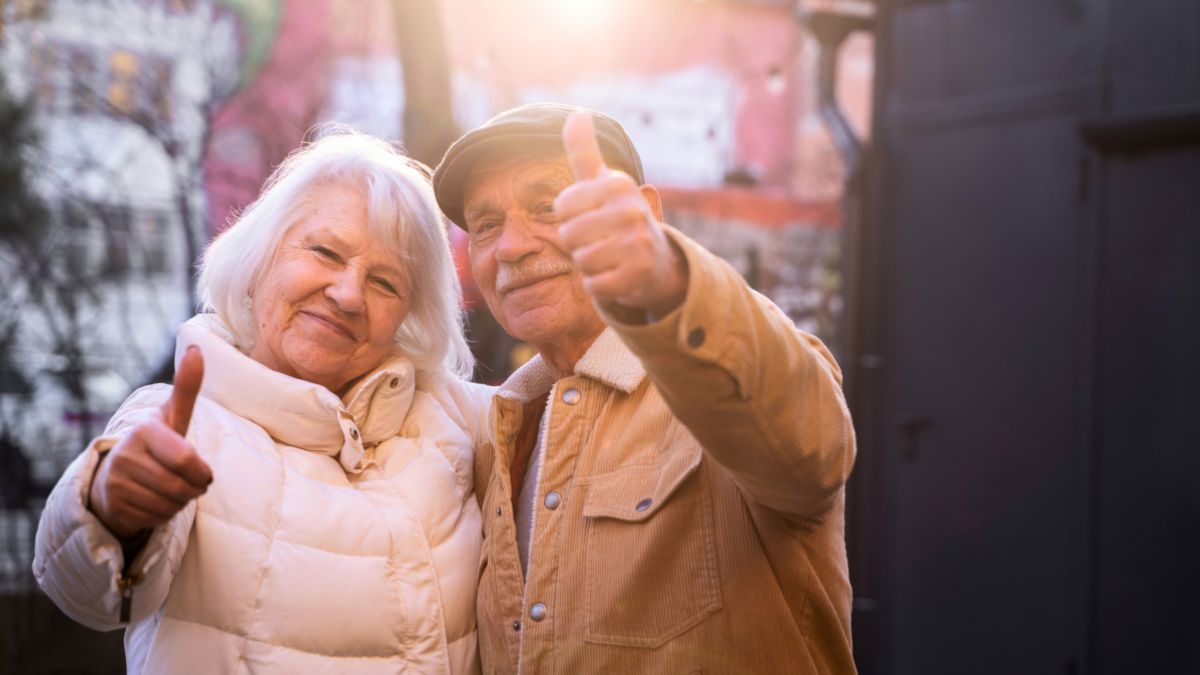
[[583, 151], [188, 376]]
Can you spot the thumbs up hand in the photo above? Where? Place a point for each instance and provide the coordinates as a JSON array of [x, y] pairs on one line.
[[611, 228], [153, 472]]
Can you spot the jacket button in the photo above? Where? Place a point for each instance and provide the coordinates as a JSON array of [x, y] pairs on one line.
[[354, 433], [695, 338], [516, 626], [570, 396], [552, 500], [643, 505], [538, 612]]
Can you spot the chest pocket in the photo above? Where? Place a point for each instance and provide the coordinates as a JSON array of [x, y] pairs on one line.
[[650, 558]]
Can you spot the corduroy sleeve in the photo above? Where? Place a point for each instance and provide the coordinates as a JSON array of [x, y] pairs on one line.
[[763, 398]]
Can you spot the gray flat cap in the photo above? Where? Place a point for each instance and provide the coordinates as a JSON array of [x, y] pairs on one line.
[[528, 128]]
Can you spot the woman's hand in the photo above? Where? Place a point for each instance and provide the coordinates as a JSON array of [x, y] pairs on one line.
[[153, 472]]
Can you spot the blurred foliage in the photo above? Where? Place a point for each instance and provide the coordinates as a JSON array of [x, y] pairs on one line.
[[23, 216]]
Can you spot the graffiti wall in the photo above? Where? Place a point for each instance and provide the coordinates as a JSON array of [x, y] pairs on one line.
[[161, 119]]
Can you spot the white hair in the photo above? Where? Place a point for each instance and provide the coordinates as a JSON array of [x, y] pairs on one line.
[[402, 214]]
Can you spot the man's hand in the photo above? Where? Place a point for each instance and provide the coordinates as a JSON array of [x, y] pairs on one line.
[[612, 233], [153, 472]]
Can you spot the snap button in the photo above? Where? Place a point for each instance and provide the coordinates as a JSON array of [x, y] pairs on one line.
[[354, 433], [570, 396], [394, 383], [552, 500], [695, 338], [643, 505], [538, 612], [516, 626]]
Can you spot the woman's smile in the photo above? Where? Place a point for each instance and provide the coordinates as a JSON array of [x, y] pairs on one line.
[[329, 324]]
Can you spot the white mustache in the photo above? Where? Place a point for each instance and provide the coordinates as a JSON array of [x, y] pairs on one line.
[[516, 275]]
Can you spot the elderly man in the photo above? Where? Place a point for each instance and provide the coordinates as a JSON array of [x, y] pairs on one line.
[[665, 489]]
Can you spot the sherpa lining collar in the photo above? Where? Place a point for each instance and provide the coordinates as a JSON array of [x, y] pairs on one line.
[[608, 361]]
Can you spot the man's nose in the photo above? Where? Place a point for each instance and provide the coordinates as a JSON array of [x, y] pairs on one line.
[[518, 238], [346, 290]]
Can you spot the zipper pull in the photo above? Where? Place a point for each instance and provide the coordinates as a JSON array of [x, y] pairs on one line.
[[126, 584], [130, 550]]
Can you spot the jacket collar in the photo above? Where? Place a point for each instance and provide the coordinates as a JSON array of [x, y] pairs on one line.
[[608, 361], [299, 413]]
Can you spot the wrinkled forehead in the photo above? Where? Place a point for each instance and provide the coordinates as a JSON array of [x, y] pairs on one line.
[[387, 221]]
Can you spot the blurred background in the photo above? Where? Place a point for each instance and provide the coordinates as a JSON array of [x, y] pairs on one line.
[[990, 209]]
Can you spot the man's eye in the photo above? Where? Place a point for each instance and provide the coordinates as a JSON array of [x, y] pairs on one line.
[[485, 226]]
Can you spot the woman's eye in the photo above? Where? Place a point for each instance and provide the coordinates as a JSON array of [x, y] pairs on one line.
[[324, 252], [386, 285]]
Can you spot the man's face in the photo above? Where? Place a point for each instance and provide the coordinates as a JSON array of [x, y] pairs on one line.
[[523, 271]]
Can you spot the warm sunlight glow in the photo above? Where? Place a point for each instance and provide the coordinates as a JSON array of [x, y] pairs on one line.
[[579, 13]]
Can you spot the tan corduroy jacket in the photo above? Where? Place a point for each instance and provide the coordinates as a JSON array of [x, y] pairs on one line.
[[690, 506]]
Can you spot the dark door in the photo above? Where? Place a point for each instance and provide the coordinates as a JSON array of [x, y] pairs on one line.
[[1035, 492], [1146, 497]]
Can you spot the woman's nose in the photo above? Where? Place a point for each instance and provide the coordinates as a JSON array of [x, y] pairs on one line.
[[346, 290]]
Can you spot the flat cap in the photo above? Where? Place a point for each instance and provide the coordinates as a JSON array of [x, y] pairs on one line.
[[529, 128]]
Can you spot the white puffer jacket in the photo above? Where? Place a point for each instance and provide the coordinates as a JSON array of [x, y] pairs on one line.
[[337, 536]]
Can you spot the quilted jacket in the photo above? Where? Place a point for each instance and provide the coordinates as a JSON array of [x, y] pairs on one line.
[[338, 535]]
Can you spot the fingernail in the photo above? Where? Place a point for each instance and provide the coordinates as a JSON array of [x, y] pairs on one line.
[[192, 348]]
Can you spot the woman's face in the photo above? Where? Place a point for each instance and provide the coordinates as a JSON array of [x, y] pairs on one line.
[[330, 302]]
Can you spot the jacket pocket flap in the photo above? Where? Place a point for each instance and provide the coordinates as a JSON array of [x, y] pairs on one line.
[[636, 493]]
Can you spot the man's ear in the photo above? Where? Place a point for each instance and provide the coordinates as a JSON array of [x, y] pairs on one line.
[[650, 194]]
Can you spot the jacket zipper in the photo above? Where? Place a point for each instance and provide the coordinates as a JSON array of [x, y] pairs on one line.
[[131, 550], [126, 584]]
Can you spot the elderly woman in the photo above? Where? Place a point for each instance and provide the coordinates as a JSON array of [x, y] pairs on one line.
[[317, 515]]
